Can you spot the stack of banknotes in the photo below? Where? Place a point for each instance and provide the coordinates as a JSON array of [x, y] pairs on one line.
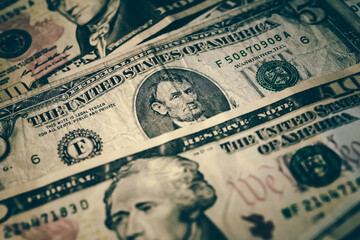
[[179, 119]]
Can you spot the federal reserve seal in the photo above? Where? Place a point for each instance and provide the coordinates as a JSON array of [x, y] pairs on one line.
[[277, 75], [79, 145], [14, 43], [315, 166]]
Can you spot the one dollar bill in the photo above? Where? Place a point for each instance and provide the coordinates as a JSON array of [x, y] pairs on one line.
[[167, 86], [273, 170]]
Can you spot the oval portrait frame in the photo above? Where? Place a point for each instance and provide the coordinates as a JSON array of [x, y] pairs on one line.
[[210, 95]]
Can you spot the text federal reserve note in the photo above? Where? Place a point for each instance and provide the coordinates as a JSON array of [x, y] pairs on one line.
[[174, 84], [273, 170], [37, 38]]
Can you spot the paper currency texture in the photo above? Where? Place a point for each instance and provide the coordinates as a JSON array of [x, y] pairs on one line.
[[41, 38], [271, 171], [172, 85]]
